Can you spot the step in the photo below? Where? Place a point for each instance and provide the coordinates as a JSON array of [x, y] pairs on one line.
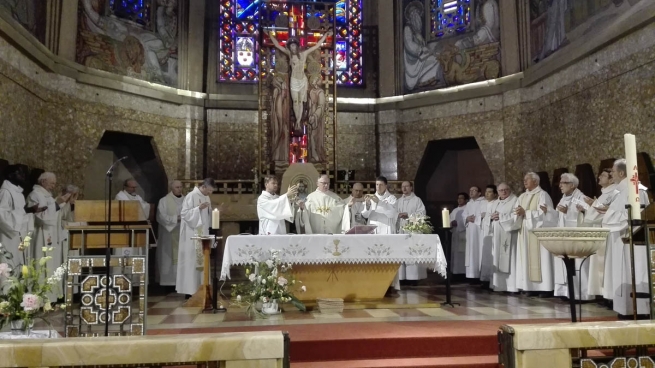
[[485, 361]]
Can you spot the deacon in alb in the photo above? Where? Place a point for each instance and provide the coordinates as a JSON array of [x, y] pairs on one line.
[[473, 218], [323, 211], [273, 210], [570, 216], [534, 264], [458, 242], [355, 203], [169, 217], [46, 225], [505, 236], [618, 280], [14, 219], [486, 234], [410, 205], [195, 220]]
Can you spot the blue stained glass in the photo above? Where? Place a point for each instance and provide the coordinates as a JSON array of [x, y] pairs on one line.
[[135, 10], [450, 14]]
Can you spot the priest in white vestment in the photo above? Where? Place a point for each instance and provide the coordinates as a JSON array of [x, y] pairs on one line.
[[594, 218], [505, 236], [410, 205], [195, 221], [169, 216], [570, 216], [14, 219], [66, 215], [618, 279], [129, 194], [47, 225], [486, 233], [534, 264], [458, 242], [323, 212], [274, 210], [355, 203], [381, 210], [473, 218]]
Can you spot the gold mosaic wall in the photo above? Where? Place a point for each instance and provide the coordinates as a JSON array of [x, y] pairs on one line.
[[51, 122]]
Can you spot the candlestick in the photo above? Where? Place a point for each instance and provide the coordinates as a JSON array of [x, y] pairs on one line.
[[216, 219], [633, 175], [445, 218]]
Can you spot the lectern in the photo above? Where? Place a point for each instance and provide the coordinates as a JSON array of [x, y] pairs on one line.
[[87, 264], [204, 298]]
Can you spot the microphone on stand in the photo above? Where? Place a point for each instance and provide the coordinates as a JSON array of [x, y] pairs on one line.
[[108, 250]]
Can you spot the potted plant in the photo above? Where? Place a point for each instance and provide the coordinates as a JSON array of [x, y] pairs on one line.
[[24, 289], [269, 284], [418, 224]]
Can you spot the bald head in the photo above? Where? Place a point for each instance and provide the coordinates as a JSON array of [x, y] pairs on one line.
[[323, 183], [358, 190], [407, 188], [176, 188]]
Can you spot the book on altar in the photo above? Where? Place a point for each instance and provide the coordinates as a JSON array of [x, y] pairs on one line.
[[362, 229]]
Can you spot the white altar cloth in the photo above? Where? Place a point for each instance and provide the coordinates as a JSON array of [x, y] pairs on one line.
[[331, 249]]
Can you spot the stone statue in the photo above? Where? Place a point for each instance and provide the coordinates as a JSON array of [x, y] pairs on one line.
[[316, 120], [298, 81], [279, 117]]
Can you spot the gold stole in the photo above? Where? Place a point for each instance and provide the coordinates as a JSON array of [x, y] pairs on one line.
[[534, 251], [172, 210]]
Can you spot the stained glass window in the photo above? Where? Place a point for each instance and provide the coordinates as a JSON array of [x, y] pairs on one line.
[[137, 11], [450, 17], [238, 41]]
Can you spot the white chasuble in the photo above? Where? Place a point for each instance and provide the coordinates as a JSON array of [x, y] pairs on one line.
[[168, 241], [190, 259], [617, 284], [458, 242], [273, 210], [323, 214], [534, 264], [572, 218], [504, 239], [473, 208], [383, 214], [46, 232], [593, 218], [13, 220], [486, 240], [411, 205]]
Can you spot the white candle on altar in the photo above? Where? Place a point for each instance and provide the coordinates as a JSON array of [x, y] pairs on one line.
[[445, 218], [216, 219], [633, 175]]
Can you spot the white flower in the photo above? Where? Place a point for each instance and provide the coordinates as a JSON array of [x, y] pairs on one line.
[[3, 306], [263, 281], [5, 271], [269, 263], [253, 293], [282, 281], [252, 277], [238, 298], [303, 288], [264, 299], [293, 282], [274, 273], [283, 268]]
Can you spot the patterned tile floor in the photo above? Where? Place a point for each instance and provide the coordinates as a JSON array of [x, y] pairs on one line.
[[413, 304]]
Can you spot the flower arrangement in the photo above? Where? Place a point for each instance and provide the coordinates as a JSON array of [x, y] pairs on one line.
[[24, 287], [418, 224], [268, 282]]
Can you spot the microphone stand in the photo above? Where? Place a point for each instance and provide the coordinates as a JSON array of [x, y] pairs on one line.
[[110, 174]]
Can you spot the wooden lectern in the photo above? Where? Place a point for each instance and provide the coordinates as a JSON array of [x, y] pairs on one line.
[[203, 297]]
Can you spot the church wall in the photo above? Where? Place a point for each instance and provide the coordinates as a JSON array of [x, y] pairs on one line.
[[52, 122]]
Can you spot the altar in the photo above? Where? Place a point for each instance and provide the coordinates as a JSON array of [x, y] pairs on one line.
[[350, 267]]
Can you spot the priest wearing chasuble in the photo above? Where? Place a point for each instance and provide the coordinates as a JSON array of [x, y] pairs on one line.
[[323, 211], [169, 217], [274, 210], [195, 220], [534, 264], [504, 239]]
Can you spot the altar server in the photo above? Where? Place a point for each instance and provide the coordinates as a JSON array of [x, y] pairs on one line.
[[618, 280], [46, 226], [534, 264], [473, 218], [505, 236], [410, 205], [458, 242], [486, 233], [273, 210], [594, 218], [323, 211], [168, 243], [195, 220], [570, 216], [129, 194]]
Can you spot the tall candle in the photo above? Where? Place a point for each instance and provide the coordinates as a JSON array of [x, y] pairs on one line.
[[633, 175], [216, 219], [445, 218]]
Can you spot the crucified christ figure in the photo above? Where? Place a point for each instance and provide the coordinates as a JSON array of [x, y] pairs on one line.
[[298, 80]]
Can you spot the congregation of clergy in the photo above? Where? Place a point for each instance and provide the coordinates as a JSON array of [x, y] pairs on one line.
[[491, 239]]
